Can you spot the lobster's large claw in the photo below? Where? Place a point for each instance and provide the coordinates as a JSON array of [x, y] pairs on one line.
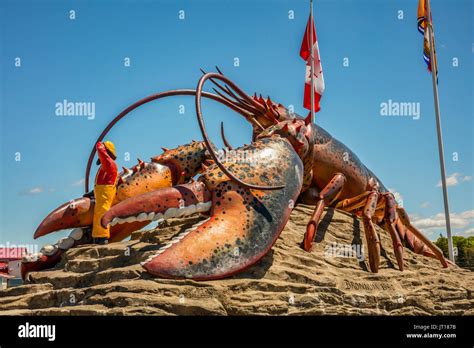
[[244, 223], [76, 213], [243, 226]]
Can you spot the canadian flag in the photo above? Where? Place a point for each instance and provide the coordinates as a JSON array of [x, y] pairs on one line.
[[318, 70]]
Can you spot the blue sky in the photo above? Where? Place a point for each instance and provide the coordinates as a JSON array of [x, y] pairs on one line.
[[82, 60]]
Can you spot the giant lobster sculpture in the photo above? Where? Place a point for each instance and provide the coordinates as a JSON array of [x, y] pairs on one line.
[[248, 203]]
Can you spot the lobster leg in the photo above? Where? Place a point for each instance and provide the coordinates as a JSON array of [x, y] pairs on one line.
[[406, 222], [390, 217], [387, 213], [352, 204], [383, 212], [414, 243], [373, 242], [402, 230], [330, 192]]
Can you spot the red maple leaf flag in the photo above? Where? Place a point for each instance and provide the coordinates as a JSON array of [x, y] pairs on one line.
[[318, 70]]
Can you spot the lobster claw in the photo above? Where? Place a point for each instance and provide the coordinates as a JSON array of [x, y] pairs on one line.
[[50, 255], [76, 213], [244, 222], [243, 226], [241, 230], [39, 262]]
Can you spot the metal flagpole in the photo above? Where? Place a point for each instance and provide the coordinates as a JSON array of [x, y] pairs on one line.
[[434, 75], [311, 58]]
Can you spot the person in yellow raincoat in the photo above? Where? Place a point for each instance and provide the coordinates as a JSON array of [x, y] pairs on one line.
[[104, 189]]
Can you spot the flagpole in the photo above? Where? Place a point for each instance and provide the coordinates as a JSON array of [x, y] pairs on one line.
[[434, 75], [311, 45]]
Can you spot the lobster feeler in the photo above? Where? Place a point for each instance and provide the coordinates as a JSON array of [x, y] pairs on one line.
[[237, 108], [224, 139], [207, 141]]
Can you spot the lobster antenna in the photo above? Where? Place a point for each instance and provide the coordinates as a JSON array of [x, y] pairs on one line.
[[226, 143], [207, 141], [244, 102], [177, 92]]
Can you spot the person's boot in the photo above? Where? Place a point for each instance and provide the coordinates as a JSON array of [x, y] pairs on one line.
[[100, 241]]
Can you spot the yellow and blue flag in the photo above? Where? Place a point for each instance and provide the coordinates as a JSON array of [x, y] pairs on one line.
[[424, 18]]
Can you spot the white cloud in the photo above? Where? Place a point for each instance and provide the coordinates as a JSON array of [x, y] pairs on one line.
[[467, 233], [458, 220], [78, 182], [398, 196], [32, 191], [455, 179], [425, 205]]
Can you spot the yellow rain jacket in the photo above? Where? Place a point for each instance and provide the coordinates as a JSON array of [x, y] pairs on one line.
[[104, 189]]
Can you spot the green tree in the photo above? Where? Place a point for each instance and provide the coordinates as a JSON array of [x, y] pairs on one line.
[[442, 243], [465, 246]]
